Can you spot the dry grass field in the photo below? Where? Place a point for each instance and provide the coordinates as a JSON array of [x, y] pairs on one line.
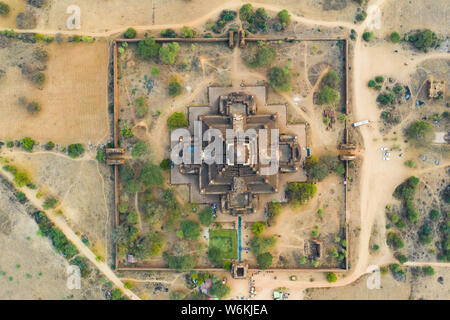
[[73, 99]]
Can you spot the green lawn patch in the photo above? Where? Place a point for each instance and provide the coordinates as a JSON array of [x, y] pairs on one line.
[[224, 240]]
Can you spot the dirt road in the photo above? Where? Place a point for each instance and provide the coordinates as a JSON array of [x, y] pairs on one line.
[[70, 234]]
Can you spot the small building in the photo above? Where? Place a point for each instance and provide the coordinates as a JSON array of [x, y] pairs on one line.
[[239, 270]]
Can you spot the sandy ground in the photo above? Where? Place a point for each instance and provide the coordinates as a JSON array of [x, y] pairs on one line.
[[30, 267], [74, 97]]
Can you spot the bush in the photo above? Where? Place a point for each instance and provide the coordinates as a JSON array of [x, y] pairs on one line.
[[300, 193], [257, 228], [435, 214], [49, 203], [428, 270], [264, 260], [49, 145], [328, 95], [424, 39], [331, 79], [395, 241], [174, 88], [379, 79], [371, 84], [274, 209], [148, 48], [386, 98], [395, 37], [165, 164], [168, 33], [38, 78], [280, 79], [154, 71], [206, 216], [28, 144], [401, 258], [133, 186], [75, 150], [361, 16], [101, 156], [168, 52], [4, 9], [132, 218], [331, 277], [141, 107], [139, 149], [420, 132], [130, 33], [246, 13], [187, 32], [176, 120], [368, 36]]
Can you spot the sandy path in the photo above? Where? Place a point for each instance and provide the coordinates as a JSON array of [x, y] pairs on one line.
[[61, 224]]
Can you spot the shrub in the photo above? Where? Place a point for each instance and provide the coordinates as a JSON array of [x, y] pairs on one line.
[[435, 214], [174, 88], [49, 203], [395, 241], [168, 33], [4, 9], [141, 106], [176, 120], [187, 32], [280, 79], [38, 78], [398, 89], [371, 84], [148, 48], [424, 39], [428, 270], [139, 149], [130, 33], [410, 163], [165, 164], [246, 13], [132, 217], [274, 209], [379, 79], [28, 144], [75, 150], [101, 156], [328, 96], [154, 71], [257, 228], [49, 145], [168, 52], [133, 186], [401, 258], [361, 16], [395, 37], [368, 36], [331, 277]]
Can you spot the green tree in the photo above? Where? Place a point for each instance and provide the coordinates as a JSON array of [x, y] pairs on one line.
[[154, 71], [317, 170], [151, 175], [176, 120], [328, 95], [246, 13], [168, 33], [220, 290], [257, 228], [368, 36], [27, 143], [379, 79], [130, 33], [132, 217], [428, 270], [75, 150], [148, 48], [386, 98], [259, 245], [332, 79], [299, 193], [206, 216], [371, 84], [280, 79], [174, 88], [395, 37], [168, 52], [263, 57], [191, 229], [331, 277], [264, 260], [420, 132], [435, 214], [284, 17], [139, 149], [424, 39], [187, 32], [133, 186], [49, 203], [274, 210]]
